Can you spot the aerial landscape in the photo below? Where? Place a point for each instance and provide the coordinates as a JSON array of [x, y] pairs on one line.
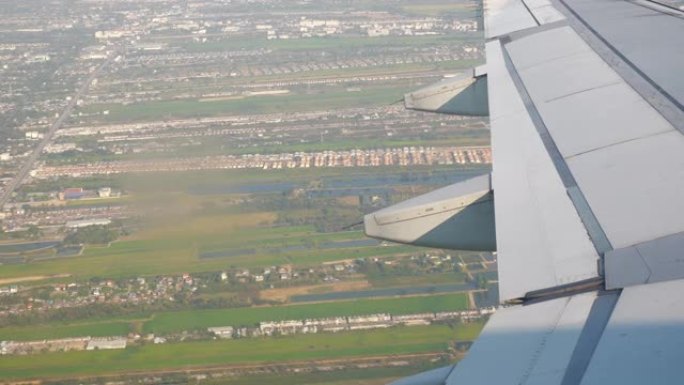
[[346, 192], [182, 186]]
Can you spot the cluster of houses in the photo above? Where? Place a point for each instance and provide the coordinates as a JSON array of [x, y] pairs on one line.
[[62, 345], [336, 324], [263, 329], [405, 156]]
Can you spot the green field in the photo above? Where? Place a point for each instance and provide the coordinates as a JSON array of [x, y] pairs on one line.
[[152, 257], [199, 319], [369, 376], [326, 43], [56, 331], [270, 238], [99, 202], [190, 108], [177, 321], [173, 242], [416, 280], [220, 84], [400, 340]]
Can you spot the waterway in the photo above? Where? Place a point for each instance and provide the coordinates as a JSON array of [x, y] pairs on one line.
[[346, 185]]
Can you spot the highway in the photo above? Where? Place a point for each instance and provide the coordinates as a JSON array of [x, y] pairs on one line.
[[49, 135]]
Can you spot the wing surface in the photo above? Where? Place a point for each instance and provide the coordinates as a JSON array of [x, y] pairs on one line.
[[585, 100]]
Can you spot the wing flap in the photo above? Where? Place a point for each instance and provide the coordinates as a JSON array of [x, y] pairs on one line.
[[541, 240], [459, 217], [463, 94]]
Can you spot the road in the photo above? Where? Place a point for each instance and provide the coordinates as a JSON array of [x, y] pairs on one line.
[[49, 135]]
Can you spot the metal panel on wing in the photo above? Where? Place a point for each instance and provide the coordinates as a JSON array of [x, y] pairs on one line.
[[658, 260], [642, 343], [583, 102], [635, 188], [541, 240], [506, 16], [526, 344]]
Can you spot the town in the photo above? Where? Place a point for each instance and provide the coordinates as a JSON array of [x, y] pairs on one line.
[[182, 183], [407, 156]]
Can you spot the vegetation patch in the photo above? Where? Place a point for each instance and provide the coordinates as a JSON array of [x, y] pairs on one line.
[[172, 322], [400, 340]]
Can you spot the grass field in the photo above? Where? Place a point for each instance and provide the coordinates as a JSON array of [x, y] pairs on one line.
[[177, 321], [417, 280], [327, 43], [176, 247], [370, 376], [99, 202], [401, 340], [218, 85], [199, 319], [56, 331], [189, 108], [173, 242]]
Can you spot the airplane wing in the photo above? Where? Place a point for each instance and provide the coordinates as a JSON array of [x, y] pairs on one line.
[[585, 202]]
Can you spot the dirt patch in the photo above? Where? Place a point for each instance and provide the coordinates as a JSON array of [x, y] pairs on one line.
[[8, 281], [350, 200], [350, 260], [283, 294]]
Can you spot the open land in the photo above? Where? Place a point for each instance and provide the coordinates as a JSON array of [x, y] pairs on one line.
[[187, 355], [209, 168]]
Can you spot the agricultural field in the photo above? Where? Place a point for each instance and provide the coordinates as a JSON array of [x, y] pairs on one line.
[[187, 250], [416, 280], [199, 319], [99, 328], [178, 321], [371, 376], [128, 258], [335, 43], [199, 232], [323, 74], [263, 104], [400, 340]]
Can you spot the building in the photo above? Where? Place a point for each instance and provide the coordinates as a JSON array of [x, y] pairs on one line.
[[104, 192], [76, 224], [106, 343], [222, 331], [72, 193]]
